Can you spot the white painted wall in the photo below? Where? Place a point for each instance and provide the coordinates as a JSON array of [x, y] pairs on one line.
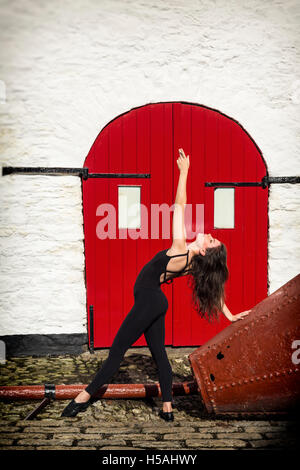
[[69, 67]]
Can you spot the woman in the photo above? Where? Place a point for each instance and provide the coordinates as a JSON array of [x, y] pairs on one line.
[[205, 260]]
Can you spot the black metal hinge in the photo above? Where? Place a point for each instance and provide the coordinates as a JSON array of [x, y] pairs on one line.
[[82, 172], [264, 183]]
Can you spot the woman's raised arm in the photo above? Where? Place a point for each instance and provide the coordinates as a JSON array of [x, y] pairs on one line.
[[183, 164], [178, 227]]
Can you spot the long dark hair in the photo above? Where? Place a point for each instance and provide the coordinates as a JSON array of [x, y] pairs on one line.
[[208, 276]]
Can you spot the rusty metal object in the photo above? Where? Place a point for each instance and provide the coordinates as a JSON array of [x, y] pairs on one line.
[[248, 366], [63, 392]]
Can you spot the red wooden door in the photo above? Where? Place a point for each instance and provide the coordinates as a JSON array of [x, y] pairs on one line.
[[146, 140], [221, 151], [137, 142]]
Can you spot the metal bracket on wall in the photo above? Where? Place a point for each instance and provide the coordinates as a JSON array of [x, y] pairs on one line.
[[265, 182], [82, 172]]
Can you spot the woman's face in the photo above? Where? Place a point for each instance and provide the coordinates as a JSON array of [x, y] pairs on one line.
[[205, 240]]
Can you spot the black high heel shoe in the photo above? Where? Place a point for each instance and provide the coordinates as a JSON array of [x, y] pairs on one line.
[[73, 408], [166, 415]]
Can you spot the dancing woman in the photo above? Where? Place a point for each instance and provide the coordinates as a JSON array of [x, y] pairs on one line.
[[205, 261]]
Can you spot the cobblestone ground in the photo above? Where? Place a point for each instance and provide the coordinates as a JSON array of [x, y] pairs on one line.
[[127, 424]]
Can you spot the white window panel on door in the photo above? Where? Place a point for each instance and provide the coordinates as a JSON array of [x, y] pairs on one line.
[[224, 208], [129, 206]]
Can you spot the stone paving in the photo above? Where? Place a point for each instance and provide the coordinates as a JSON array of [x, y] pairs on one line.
[[127, 424]]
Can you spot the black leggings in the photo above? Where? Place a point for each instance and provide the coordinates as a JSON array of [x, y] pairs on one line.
[[146, 316]]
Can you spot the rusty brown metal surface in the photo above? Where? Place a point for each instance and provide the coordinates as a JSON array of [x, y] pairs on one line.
[[248, 366], [62, 392]]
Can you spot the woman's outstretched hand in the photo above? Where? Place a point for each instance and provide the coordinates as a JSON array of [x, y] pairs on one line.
[[240, 316], [183, 162]]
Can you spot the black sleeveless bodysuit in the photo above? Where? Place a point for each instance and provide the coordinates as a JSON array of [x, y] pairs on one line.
[[146, 317], [149, 276]]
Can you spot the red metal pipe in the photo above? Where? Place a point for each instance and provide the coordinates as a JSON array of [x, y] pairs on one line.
[[63, 392]]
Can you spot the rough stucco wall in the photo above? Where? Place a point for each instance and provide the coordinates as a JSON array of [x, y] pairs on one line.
[[70, 67]]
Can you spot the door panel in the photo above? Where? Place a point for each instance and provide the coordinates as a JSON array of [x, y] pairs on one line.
[[137, 142], [220, 150]]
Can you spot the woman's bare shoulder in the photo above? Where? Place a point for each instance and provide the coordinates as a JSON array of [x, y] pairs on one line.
[[177, 249]]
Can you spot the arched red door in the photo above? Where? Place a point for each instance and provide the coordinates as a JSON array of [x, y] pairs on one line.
[[135, 155]]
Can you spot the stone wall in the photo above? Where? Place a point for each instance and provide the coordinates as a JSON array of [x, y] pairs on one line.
[[70, 67]]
